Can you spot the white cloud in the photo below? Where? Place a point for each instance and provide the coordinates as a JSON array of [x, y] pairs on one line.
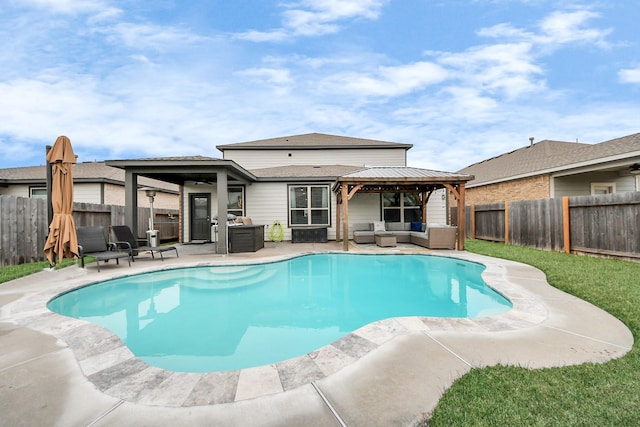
[[506, 31], [507, 70], [629, 75], [387, 81], [263, 36], [568, 27], [71, 7], [277, 76], [556, 29], [145, 36], [316, 17]]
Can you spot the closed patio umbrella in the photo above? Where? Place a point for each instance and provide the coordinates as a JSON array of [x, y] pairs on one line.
[[62, 240]]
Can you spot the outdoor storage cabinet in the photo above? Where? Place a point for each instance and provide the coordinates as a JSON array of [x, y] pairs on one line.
[[246, 238], [309, 235]]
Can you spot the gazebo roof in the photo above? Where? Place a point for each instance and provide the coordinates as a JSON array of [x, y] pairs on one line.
[[375, 179]]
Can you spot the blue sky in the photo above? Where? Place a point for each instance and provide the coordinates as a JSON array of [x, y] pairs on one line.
[[460, 80]]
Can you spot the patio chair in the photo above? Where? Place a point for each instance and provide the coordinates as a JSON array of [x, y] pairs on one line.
[[124, 234], [91, 242]]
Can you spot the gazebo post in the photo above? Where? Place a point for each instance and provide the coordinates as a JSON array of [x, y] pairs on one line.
[[461, 216], [424, 205], [345, 218], [338, 207]]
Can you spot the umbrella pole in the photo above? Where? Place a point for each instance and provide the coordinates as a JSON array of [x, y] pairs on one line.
[[49, 181]]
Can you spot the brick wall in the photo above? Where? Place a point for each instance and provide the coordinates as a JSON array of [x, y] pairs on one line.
[[532, 188]]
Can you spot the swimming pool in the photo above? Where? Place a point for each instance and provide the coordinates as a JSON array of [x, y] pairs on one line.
[[217, 318]]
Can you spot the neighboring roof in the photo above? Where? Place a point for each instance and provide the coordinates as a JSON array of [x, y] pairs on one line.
[[168, 159], [82, 172], [550, 156], [312, 141], [330, 172]]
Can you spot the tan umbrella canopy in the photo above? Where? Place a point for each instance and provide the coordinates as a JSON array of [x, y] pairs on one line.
[[62, 240]]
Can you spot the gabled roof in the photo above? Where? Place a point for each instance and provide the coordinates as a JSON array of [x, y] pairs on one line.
[[311, 141], [550, 156]]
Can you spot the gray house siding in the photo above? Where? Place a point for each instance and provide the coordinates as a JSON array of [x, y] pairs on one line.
[[580, 185]]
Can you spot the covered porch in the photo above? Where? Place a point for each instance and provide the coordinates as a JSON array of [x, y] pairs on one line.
[[219, 173], [419, 182]]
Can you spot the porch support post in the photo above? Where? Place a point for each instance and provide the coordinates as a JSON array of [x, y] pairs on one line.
[[222, 196], [345, 218], [131, 201]]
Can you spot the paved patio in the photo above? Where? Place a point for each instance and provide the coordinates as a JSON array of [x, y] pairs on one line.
[[60, 371]]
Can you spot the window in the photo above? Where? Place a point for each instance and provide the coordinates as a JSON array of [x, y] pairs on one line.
[[308, 205], [401, 207], [235, 201], [38, 192], [598, 188]]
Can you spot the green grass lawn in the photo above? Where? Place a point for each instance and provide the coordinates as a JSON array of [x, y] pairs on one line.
[[17, 271], [586, 395]]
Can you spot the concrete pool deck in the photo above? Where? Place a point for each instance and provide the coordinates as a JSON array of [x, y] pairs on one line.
[[60, 371]]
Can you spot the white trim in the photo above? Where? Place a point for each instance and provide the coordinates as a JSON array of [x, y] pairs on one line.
[[609, 187], [309, 209], [37, 189]]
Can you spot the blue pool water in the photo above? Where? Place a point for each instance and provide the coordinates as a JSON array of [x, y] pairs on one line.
[[205, 319]]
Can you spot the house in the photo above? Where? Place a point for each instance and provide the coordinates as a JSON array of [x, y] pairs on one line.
[[94, 182], [291, 181], [551, 169]]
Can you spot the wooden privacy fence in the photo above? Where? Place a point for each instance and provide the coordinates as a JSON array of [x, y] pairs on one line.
[[604, 225], [24, 226]]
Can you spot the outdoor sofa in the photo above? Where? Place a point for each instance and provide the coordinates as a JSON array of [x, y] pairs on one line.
[[428, 235]]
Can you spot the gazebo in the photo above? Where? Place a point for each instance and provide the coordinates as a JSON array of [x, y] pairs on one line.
[[419, 182]]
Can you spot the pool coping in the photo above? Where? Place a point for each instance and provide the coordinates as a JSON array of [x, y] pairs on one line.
[[106, 361]]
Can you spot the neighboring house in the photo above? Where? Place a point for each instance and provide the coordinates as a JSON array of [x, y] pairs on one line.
[[290, 180], [551, 169], [94, 182]]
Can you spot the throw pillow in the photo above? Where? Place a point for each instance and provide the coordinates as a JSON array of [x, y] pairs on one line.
[[416, 226], [379, 226]]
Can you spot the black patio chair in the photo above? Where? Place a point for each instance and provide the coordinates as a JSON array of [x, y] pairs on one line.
[[92, 242], [123, 233]]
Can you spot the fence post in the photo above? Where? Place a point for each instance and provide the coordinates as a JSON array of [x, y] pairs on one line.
[[565, 225], [473, 221], [506, 222]]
